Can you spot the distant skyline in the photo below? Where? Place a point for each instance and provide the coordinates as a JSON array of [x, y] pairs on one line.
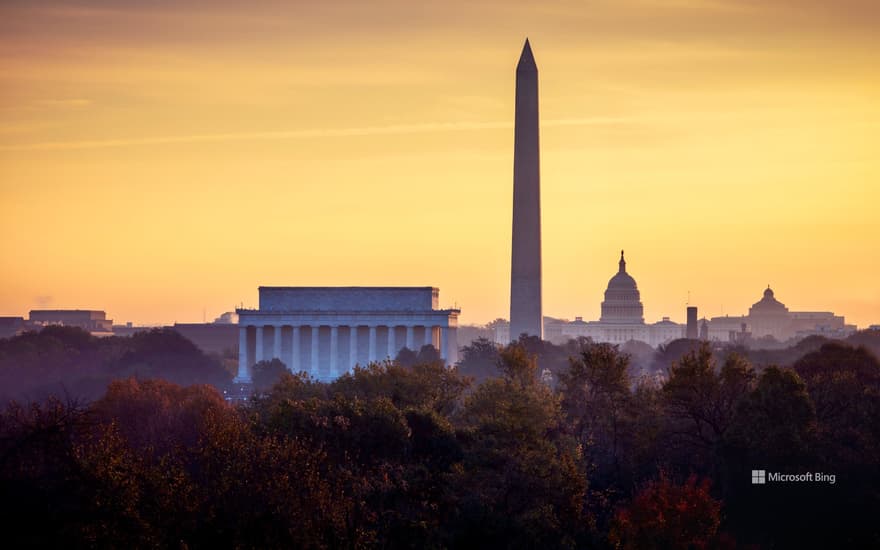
[[162, 159]]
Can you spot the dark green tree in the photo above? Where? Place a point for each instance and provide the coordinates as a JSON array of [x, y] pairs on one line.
[[422, 386], [700, 403], [267, 373], [596, 401], [479, 359], [406, 357], [427, 355], [520, 484]]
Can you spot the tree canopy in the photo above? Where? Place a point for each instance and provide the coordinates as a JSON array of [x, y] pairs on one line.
[[415, 454]]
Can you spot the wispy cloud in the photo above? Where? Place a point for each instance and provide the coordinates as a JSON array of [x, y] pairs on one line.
[[397, 129]]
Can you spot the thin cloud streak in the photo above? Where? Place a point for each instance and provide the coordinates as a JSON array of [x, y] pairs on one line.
[[397, 129]]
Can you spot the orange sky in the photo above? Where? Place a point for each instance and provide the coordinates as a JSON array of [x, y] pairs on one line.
[[161, 159]]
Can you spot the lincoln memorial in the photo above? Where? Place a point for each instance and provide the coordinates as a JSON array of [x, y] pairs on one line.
[[326, 331]]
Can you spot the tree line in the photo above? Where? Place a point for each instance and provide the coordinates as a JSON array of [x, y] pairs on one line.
[[419, 455]]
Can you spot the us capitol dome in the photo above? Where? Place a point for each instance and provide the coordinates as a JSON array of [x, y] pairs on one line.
[[622, 299], [623, 316]]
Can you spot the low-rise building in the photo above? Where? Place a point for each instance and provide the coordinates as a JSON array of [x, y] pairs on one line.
[[92, 320]]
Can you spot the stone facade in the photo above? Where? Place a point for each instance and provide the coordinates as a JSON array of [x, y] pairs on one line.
[[275, 298], [326, 331], [525, 269], [92, 320]]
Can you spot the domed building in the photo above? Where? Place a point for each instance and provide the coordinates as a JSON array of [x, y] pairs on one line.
[[770, 318], [623, 317], [768, 305], [622, 303]]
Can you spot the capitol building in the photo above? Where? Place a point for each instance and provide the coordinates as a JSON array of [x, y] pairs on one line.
[[622, 317], [622, 320]]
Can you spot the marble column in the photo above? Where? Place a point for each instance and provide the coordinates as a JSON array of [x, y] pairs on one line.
[[334, 344], [243, 367], [314, 365], [296, 351], [444, 342], [258, 353], [429, 336], [372, 354], [410, 337], [392, 344], [276, 342], [352, 347]]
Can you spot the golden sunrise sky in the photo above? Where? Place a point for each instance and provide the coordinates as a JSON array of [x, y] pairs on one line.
[[162, 158]]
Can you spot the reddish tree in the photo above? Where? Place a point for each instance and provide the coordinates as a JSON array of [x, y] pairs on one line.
[[156, 416], [666, 515]]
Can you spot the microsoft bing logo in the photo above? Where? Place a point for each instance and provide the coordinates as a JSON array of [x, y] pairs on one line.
[[761, 477]]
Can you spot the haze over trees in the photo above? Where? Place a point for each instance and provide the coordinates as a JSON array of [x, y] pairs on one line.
[[419, 455], [60, 360]]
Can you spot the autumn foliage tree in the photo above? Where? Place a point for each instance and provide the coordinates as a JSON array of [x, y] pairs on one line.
[[669, 516], [420, 455]]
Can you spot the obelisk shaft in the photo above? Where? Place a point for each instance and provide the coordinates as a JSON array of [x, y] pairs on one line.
[[525, 271]]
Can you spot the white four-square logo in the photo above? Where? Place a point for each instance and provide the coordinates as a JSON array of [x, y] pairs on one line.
[[759, 477]]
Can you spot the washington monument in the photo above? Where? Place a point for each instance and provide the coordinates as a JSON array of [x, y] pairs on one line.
[[525, 268]]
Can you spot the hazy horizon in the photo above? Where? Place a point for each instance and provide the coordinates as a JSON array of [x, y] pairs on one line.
[[164, 160]]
